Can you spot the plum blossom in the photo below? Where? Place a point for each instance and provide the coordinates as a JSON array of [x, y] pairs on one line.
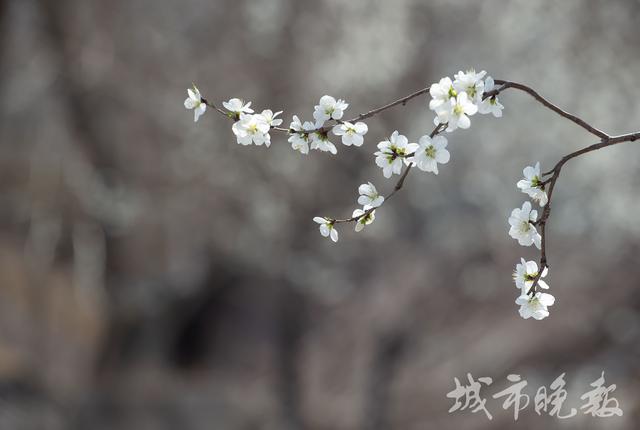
[[490, 104], [431, 152], [194, 101], [252, 129], [535, 306], [366, 218], [525, 274], [522, 228], [369, 196], [320, 141], [532, 184], [352, 134], [329, 108], [327, 228], [300, 140], [237, 107], [441, 92], [471, 83], [270, 117], [456, 113], [392, 154]]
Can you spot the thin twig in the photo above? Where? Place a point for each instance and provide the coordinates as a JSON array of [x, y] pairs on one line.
[[582, 123], [437, 130]]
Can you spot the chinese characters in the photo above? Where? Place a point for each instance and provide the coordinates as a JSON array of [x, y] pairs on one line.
[[598, 402]]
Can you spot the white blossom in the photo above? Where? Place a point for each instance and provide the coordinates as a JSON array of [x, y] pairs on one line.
[[392, 153], [365, 218], [522, 228], [369, 196], [532, 184], [252, 129], [456, 113], [525, 273], [327, 228], [270, 117], [535, 306], [352, 134], [237, 107], [441, 92], [329, 108], [300, 141], [194, 101], [471, 83], [490, 104], [430, 152], [320, 141]]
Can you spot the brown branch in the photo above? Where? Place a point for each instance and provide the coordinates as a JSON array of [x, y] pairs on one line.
[[550, 183], [582, 123]]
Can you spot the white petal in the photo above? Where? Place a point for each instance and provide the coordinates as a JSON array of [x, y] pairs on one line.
[[357, 140], [540, 314], [325, 230], [334, 234], [464, 121], [546, 299], [443, 156], [361, 128]]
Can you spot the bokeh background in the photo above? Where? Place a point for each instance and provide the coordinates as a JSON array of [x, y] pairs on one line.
[[156, 275]]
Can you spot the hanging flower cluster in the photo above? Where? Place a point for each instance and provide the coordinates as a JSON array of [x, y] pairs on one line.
[[523, 221]]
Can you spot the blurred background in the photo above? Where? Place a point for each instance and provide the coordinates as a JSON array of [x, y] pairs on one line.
[[156, 275]]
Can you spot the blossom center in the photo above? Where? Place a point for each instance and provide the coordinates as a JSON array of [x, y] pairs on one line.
[[430, 151], [397, 152]]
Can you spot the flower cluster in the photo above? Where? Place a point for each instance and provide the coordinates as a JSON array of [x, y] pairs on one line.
[[369, 198], [522, 223], [536, 304], [251, 128], [314, 135], [397, 151], [393, 154], [455, 101]]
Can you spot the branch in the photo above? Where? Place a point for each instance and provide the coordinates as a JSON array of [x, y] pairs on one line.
[[582, 123], [549, 183], [555, 172]]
